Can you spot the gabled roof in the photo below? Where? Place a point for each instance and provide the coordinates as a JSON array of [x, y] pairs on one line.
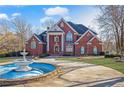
[[55, 28], [81, 29], [39, 38], [93, 38]]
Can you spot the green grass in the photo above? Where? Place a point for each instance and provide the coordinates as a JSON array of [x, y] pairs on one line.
[[6, 59], [107, 62]]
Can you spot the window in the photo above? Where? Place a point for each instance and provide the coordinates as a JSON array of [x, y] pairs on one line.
[[62, 24], [95, 50], [56, 39], [33, 44], [82, 50], [69, 37], [69, 48]]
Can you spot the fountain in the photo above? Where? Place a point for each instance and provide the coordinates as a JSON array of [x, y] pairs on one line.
[[23, 65], [25, 70]]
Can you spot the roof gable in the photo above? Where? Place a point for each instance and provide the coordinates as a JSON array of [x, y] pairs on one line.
[[39, 38], [55, 28], [84, 35], [62, 20], [93, 39]]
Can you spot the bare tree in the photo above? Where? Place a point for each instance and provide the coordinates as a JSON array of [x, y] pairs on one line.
[[48, 23], [23, 30], [8, 40], [111, 22]]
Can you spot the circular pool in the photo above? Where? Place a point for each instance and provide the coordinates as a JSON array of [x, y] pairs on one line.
[[9, 75]]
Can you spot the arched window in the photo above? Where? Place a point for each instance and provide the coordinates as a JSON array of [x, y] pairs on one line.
[[82, 50], [95, 50], [69, 36], [33, 44]]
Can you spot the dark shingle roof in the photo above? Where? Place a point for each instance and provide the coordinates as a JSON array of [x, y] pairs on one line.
[[39, 37], [81, 29]]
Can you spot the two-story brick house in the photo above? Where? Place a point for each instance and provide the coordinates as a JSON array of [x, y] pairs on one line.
[[65, 38]]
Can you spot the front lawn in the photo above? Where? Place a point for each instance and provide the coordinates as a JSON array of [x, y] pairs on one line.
[[6, 59], [107, 62]]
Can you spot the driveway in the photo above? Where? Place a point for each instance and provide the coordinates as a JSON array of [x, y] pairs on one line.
[[78, 74]]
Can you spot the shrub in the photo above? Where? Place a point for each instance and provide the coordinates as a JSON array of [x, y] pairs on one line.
[[43, 55], [2, 55], [112, 56], [102, 53], [10, 54]]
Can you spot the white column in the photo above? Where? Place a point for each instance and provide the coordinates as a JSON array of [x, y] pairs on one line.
[[47, 42], [62, 43]]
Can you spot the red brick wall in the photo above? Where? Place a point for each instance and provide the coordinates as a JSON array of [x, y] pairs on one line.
[[52, 43], [39, 50], [66, 29], [88, 47], [95, 42]]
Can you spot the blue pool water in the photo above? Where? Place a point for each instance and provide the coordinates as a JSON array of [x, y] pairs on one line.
[[8, 71]]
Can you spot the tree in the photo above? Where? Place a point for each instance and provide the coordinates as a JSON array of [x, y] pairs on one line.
[[111, 23], [8, 40], [23, 30], [48, 23]]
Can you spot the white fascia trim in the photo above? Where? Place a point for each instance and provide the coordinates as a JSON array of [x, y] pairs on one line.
[[38, 39], [85, 34], [76, 43], [93, 38], [67, 24], [89, 43], [41, 43], [55, 27], [55, 33]]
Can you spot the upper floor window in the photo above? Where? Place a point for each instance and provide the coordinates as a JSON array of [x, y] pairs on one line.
[[56, 39], [62, 24], [69, 36], [33, 44]]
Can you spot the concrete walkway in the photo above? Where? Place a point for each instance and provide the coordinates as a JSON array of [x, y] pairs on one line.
[[78, 74]]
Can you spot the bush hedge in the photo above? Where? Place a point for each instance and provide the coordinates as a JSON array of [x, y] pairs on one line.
[[10, 54], [43, 55], [112, 56]]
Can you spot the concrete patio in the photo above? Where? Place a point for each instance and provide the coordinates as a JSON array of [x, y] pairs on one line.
[[78, 74]]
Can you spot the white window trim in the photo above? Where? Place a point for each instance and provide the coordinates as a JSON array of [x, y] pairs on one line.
[[83, 50], [94, 52], [34, 42], [69, 48], [69, 32], [56, 38]]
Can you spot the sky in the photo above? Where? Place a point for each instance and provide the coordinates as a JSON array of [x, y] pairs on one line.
[[37, 15]]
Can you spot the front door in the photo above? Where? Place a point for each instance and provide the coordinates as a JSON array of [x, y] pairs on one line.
[[56, 49]]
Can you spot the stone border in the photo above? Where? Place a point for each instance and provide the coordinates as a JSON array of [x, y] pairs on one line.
[[5, 82]]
